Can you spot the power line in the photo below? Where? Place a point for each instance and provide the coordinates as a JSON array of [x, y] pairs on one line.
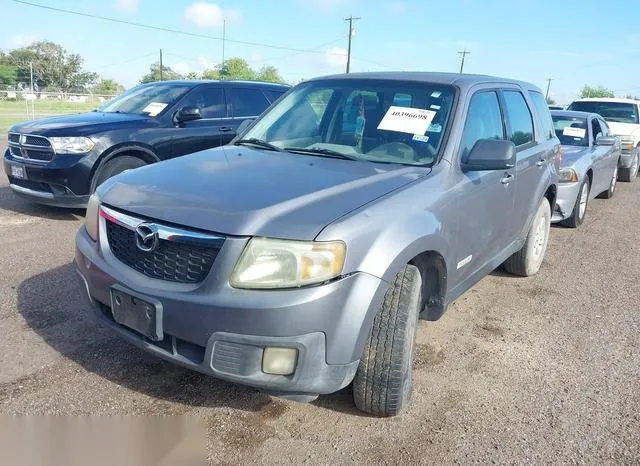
[[173, 31], [464, 53]]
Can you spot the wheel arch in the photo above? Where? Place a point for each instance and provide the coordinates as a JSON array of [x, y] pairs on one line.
[[140, 151]]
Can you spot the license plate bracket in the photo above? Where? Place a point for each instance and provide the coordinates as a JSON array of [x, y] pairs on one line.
[[18, 171], [137, 312]]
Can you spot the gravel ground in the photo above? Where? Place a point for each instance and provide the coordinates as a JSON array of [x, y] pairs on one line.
[[537, 370]]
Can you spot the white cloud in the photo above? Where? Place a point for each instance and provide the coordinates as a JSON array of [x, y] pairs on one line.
[[129, 6], [22, 40], [205, 63], [336, 57], [205, 14], [181, 67]]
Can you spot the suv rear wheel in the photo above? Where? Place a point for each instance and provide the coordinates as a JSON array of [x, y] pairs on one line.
[[116, 166], [629, 174], [383, 383], [527, 261]]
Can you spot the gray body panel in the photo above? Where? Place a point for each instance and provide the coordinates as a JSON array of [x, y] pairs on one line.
[[599, 161], [386, 214]]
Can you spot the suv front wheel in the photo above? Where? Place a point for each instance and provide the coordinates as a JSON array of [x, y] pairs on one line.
[[527, 261], [383, 383]]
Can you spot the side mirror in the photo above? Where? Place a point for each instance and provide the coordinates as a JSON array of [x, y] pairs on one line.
[[606, 141], [188, 114], [491, 154], [244, 125]]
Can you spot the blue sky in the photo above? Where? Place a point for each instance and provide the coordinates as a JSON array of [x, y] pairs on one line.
[[575, 42]]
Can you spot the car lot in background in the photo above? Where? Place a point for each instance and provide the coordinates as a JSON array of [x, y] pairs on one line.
[[589, 163], [61, 160], [556, 107], [623, 118]]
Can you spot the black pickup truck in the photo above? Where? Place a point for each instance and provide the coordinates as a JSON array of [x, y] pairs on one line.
[[61, 160]]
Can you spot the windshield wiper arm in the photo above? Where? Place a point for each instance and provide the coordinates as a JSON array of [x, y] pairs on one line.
[[321, 152], [259, 143]]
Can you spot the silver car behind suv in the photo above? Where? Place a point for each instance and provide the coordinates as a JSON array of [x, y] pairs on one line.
[[299, 258]]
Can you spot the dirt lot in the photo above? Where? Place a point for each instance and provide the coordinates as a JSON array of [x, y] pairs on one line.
[[537, 370]]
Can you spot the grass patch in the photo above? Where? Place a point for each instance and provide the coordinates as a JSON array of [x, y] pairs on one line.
[[12, 112]]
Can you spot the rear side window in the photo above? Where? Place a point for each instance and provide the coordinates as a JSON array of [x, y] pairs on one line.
[[210, 101], [246, 102], [484, 121], [544, 115], [519, 118]]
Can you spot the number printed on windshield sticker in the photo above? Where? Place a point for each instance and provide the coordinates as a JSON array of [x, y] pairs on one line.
[[407, 120]]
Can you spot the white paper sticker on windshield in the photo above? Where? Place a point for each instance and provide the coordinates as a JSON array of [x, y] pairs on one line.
[[574, 132], [407, 120], [154, 108]]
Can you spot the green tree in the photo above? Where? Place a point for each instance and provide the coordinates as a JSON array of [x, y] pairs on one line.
[[630, 96], [591, 92], [270, 74], [8, 75], [192, 75], [154, 74], [53, 67], [237, 68], [108, 87], [551, 101]]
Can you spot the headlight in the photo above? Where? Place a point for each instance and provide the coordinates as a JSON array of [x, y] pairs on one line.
[[568, 175], [91, 217], [627, 143], [71, 145], [274, 263]]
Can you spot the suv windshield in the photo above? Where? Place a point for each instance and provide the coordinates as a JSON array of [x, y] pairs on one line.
[[377, 121], [572, 131], [147, 99], [619, 112]]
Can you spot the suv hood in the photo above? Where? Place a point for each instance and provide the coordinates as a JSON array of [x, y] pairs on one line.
[[624, 129], [247, 192], [81, 124]]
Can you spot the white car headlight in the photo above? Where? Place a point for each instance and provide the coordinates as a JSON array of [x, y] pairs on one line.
[[75, 145], [274, 263], [91, 217], [568, 175]]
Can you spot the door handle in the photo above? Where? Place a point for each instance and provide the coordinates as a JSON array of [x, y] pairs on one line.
[[225, 129], [507, 178], [540, 162]]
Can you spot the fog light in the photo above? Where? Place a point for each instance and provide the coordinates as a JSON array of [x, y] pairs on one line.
[[279, 361]]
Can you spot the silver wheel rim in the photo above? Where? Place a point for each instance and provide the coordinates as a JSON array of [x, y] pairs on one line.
[[614, 180], [539, 237], [634, 167], [584, 196]]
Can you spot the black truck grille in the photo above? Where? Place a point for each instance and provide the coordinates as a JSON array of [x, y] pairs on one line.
[[32, 147], [170, 261]]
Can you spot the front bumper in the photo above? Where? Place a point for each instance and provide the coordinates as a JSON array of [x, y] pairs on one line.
[[62, 182], [566, 201], [221, 331]]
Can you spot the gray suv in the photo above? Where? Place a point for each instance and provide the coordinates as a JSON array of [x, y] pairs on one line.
[[298, 258]]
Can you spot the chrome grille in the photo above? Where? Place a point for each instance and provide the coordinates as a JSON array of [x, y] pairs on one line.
[[181, 256], [30, 147]]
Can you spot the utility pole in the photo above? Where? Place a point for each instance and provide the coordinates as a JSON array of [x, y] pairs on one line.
[[224, 34], [464, 53], [31, 73], [161, 65], [548, 86], [351, 19]]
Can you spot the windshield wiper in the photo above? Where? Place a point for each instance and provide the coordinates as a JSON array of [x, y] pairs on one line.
[[259, 143], [321, 152]]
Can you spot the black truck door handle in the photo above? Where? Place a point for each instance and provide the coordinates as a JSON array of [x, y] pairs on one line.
[[225, 129]]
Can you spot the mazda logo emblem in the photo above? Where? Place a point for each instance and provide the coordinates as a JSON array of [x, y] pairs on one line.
[[146, 237]]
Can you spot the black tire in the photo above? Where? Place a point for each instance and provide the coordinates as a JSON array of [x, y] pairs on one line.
[[526, 261], [116, 166], [629, 175], [608, 194], [383, 382], [575, 220]]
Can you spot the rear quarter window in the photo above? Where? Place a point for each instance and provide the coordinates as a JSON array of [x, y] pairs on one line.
[[519, 118], [544, 116]]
